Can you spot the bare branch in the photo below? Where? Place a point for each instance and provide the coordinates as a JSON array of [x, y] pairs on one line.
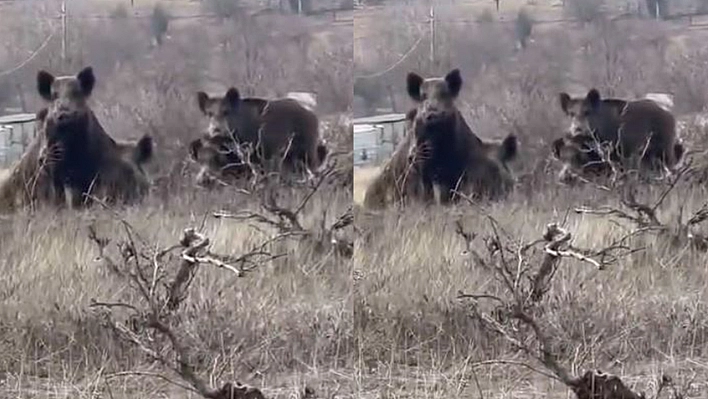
[[519, 304], [193, 243], [150, 374], [156, 318], [645, 216]]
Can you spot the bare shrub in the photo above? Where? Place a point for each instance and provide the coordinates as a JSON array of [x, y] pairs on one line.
[[154, 313], [223, 8], [5, 93], [486, 16], [335, 83], [616, 67], [159, 22], [523, 26], [119, 11], [584, 10], [686, 78], [127, 37], [490, 45], [27, 30], [658, 8], [677, 234], [161, 294], [301, 6], [517, 313], [346, 4], [702, 5]]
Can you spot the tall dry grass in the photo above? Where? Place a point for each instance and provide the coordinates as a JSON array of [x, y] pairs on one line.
[[417, 338], [363, 177], [282, 327]]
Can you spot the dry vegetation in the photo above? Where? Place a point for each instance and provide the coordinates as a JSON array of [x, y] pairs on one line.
[[285, 325], [640, 317]]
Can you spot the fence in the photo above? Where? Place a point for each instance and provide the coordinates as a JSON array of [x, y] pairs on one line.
[[16, 132], [376, 137]]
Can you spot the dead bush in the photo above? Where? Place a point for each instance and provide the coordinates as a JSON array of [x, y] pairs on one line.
[[517, 312], [584, 10]]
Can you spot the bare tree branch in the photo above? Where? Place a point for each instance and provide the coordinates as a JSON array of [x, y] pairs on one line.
[[519, 305], [162, 305]]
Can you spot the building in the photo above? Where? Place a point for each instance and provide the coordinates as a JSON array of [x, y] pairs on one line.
[[375, 137], [16, 132]]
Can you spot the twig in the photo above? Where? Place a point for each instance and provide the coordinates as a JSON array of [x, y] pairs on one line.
[[515, 363], [111, 305], [522, 308], [150, 374], [156, 318], [193, 243], [573, 254], [212, 261]]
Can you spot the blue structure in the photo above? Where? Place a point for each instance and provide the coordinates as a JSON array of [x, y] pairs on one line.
[[16, 132], [376, 137]]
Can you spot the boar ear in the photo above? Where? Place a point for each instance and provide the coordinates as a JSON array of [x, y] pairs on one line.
[[87, 80], [202, 100], [509, 148], [233, 97], [44, 84], [194, 148], [144, 150], [558, 145], [454, 82], [413, 85], [593, 98], [679, 151], [564, 100]]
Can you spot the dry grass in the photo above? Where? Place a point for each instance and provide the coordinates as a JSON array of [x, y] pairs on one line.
[[282, 327], [363, 176], [639, 318]]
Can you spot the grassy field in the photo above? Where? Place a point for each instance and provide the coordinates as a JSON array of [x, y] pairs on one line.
[[639, 318], [283, 327], [362, 178]]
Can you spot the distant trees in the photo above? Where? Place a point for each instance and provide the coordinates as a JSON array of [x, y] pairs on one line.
[[658, 8], [586, 11], [224, 8], [301, 6], [159, 21], [522, 27]]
